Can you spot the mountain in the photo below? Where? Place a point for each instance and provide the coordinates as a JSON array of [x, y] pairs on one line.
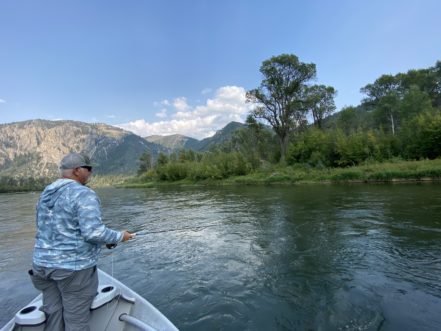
[[177, 141], [220, 136], [34, 148], [173, 142]]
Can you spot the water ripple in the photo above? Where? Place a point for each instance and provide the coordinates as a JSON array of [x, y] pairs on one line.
[[287, 258]]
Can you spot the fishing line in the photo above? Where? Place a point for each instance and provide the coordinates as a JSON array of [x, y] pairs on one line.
[[112, 263], [145, 232]]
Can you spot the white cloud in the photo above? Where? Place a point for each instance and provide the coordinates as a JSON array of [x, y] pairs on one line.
[[181, 104], [2, 101], [162, 113], [228, 104]]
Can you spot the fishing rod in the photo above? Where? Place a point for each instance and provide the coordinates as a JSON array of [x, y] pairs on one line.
[[195, 228], [145, 232]]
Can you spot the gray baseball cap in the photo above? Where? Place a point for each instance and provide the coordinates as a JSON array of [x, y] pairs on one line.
[[74, 160]]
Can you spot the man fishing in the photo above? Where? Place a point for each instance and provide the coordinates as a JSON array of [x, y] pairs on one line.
[[69, 237]]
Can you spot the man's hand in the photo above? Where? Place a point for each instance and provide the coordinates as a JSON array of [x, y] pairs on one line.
[[127, 235]]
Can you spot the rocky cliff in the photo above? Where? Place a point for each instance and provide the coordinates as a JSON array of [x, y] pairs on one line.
[[34, 148]]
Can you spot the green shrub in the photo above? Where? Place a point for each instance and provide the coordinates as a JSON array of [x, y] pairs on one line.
[[421, 137]]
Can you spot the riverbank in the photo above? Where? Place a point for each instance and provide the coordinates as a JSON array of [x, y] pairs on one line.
[[8, 185], [387, 172]]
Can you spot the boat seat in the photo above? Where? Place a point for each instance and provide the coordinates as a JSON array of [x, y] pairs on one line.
[[107, 307], [31, 314], [106, 293]]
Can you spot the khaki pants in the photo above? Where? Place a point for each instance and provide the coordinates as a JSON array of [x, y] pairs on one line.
[[67, 296]]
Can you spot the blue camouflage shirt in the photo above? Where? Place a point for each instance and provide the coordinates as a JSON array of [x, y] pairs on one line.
[[70, 231]]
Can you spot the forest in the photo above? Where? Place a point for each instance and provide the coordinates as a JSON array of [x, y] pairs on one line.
[[293, 128]]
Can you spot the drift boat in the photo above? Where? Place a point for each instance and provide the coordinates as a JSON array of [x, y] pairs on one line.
[[115, 308]]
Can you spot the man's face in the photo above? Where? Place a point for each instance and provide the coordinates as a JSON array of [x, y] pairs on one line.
[[83, 174]]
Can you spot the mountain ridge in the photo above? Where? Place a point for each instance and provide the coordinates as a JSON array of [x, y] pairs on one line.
[[178, 141], [34, 147]]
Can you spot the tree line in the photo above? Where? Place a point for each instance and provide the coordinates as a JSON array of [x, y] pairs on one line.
[[294, 122], [10, 184]]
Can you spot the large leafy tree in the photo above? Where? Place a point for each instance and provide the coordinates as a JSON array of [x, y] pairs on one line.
[[321, 102], [426, 80], [384, 95], [282, 98], [398, 98]]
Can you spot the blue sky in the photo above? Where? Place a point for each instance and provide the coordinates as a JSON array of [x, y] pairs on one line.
[[183, 66]]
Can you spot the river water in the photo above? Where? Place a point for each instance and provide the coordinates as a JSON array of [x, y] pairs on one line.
[[306, 257]]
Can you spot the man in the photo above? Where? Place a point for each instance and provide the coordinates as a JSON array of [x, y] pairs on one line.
[[69, 237]]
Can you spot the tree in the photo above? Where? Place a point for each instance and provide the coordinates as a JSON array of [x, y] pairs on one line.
[[281, 98], [384, 95], [162, 159], [422, 136], [347, 119], [145, 163], [321, 102], [435, 91], [426, 80], [414, 102]]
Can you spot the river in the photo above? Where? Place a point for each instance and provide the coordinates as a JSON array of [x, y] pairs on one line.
[[304, 257]]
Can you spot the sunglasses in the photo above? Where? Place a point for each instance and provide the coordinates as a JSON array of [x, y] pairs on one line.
[[89, 168]]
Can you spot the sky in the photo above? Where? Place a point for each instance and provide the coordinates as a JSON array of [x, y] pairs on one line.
[[183, 66]]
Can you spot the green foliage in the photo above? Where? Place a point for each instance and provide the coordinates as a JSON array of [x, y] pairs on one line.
[[10, 184], [173, 171], [347, 175], [280, 99], [423, 136], [352, 149], [351, 119], [255, 143], [212, 165], [396, 99], [313, 147], [399, 119], [162, 159], [321, 102], [336, 148], [414, 102], [145, 163]]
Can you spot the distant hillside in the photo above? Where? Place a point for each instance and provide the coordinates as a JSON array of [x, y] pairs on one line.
[[221, 136], [34, 148], [177, 141], [173, 142]]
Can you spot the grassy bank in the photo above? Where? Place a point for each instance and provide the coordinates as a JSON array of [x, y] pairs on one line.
[[388, 172], [427, 170], [392, 171], [97, 181]]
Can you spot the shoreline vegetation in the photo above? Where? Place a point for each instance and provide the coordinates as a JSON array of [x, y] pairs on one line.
[[386, 172], [394, 135], [398, 121]]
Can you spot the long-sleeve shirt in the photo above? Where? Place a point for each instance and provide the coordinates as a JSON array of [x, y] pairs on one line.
[[70, 231]]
